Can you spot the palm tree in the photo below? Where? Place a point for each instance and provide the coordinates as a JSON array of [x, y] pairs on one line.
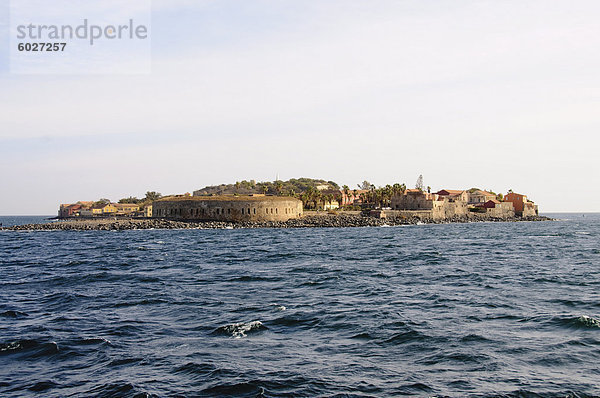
[[278, 187], [346, 193], [317, 197], [305, 198]]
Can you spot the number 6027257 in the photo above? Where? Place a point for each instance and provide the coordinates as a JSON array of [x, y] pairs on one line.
[[39, 47]]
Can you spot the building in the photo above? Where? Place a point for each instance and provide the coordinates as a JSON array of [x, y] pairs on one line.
[[325, 204], [73, 209], [414, 199], [479, 196], [329, 200], [415, 202], [495, 208], [68, 210], [454, 195], [102, 209], [352, 198], [228, 208], [126, 208], [523, 207]]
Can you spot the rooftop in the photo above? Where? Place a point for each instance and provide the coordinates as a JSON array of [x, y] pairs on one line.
[[486, 193], [451, 192], [245, 198]]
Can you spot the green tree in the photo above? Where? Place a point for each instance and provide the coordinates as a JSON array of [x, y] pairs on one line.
[[130, 200], [278, 187], [152, 196], [365, 185]]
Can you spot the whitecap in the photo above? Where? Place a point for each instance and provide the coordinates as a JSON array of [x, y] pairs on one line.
[[239, 330], [588, 321]]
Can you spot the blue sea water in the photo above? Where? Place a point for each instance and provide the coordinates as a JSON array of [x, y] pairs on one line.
[[458, 310]]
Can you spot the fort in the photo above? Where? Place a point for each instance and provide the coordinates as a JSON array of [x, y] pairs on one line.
[[228, 208]]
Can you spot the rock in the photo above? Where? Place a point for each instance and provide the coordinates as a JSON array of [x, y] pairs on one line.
[[323, 221]]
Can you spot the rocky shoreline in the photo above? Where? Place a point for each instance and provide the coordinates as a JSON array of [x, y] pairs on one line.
[[320, 221]]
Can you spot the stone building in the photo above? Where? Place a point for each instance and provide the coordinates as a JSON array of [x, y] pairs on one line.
[[431, 205], [454, 195], [495, 208], [523, 206], [228, 208], [479, 196]]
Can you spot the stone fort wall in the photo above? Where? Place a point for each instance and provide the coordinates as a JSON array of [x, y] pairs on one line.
[[228, 208]]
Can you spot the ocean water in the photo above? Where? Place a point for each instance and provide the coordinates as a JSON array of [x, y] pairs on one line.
[[457, 310]]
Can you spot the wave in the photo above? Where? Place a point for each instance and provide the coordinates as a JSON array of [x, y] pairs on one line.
[[296, 320], [117, 389], [13, 314], [250, 278], [522, 393], [405, 337], [94, 340], [574, 322], [239, 330], [29, 348], [140, 302], [43, 386], [587, 322]]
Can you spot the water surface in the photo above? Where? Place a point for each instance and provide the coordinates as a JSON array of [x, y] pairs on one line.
[[481, 309]]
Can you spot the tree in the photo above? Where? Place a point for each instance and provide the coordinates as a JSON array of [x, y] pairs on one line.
[[278, 187], [153, 195], [131, 199], [346, 197], [316, 196], [102, 201], [329, 198], [419, 184], [305, 198], [365, 185]]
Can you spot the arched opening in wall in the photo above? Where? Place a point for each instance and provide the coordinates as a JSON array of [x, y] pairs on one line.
[[254, 210], [248, 211], [228, 211], [276, 210], [242, 211]]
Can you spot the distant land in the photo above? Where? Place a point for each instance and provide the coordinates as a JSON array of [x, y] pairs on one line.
[[293, 203]]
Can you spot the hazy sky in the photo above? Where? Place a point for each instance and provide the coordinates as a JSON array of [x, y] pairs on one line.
[[497, 95]]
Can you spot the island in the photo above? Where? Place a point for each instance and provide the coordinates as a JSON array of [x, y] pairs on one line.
[[297, 203]]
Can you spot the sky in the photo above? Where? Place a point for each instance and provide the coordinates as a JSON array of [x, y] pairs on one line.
[[495, 95]]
